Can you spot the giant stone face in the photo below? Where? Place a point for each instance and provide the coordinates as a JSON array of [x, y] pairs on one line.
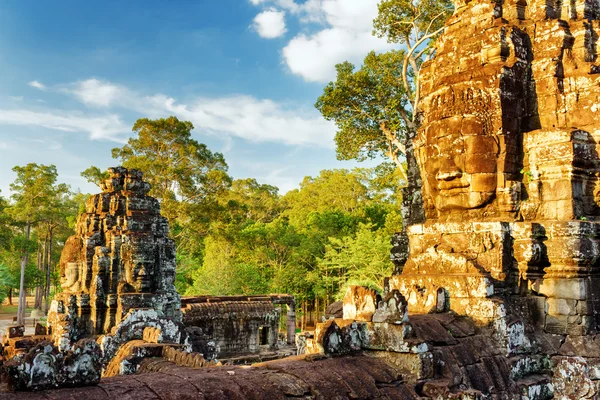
[[459, 163]]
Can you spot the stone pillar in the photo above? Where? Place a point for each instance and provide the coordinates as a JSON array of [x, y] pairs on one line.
[[291, 322]]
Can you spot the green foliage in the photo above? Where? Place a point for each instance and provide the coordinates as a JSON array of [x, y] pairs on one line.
[[95, 175], [185, 176], [333, 190], [75, 204], [183, 173], [5, 224], [225, 272], [248, 200], [362, 259], [233, 237], [376, 106], [284, 247], [10, 265], [369, 107], [8, 280], [401, 21], [32, 190]]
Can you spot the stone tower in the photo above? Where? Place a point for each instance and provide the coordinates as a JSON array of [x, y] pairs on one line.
[[508, 152], [120, 259]]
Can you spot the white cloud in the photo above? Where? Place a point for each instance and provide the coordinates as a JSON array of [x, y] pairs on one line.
[[253, 119], [3, 145], [307, 7], [235, 116], [345, 35], [314, 57], [108, 127], [93, 92], [37, 85], [270, 24]]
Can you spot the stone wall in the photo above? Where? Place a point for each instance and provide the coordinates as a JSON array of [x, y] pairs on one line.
[[235, 327], [308, 378]]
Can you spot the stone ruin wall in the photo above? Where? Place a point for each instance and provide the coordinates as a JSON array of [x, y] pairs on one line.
[[234, 327], [119, 302]]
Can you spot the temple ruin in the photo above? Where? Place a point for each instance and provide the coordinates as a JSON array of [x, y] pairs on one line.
[[119, 305], [499, 297], [120, 259], [239, 329]]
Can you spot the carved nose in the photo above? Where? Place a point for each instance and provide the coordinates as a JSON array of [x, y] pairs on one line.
[[448, 175]]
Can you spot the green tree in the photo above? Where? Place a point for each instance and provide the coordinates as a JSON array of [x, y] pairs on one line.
[[415, 25], [370, 107], [186, 177], [362, 259], [95, 175], [248, 200], [376, 108], [32, 190], [60, 207], [245, 203], [333, 190], [8, 281], [5, 224]]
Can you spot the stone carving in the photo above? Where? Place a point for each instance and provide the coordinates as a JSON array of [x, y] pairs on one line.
[[120, 259], [458, 153], [509, 162], [392, 309]]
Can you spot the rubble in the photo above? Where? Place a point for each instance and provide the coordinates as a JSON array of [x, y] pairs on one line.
[[45, 367]]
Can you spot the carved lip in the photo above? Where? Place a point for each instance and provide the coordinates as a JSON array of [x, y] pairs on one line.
[[449, 188]]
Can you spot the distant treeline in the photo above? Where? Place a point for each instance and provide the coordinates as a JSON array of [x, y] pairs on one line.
[[232, 236]]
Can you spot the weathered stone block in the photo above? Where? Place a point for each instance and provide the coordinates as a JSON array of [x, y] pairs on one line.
[[413, 366], [562, 306], [392, 309], [15, 331], [360, 303], [119, 258], [388, 337], [45, 367]]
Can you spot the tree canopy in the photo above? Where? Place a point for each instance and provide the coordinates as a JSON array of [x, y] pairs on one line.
[[375, 107], [369, 107], [185, 176]]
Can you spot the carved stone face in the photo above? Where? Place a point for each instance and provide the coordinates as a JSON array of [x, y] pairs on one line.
[[459, 162], [70, 280], [139, 276]]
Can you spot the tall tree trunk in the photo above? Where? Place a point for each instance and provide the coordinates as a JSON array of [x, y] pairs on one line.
[[40, 264], [10, 296], [304, 315], [24, 262], [412, 209], [49, 271]]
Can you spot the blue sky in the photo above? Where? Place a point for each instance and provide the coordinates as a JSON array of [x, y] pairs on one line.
[[75, 75]]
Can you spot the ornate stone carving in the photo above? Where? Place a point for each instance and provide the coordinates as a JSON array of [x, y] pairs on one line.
[[121, 258], [508, 153]]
